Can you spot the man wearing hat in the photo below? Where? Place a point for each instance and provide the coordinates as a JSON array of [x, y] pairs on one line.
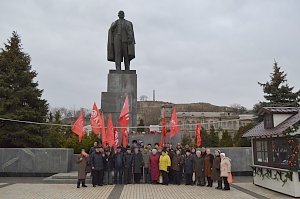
[[119, 165], [97, 163], [128, 164], [188, 167]]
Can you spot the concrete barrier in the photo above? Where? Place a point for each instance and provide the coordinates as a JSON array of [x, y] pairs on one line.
[[35, 161]]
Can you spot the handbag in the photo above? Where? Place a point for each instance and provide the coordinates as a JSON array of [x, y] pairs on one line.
[[160, 180], [194, 177], [229, 178]]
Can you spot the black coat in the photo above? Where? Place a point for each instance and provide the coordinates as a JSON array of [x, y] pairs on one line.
[[128, 160], [199, 167], [97, 161], [138, 162], [189, 164], [119, 159], [109, 163]]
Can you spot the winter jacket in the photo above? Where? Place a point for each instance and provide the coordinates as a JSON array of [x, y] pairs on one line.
[[216, 173], [199, 166], [189, 164], [225, 166], [164, 162], [137, 162], [97, 161], [176, 162], [119, 160]]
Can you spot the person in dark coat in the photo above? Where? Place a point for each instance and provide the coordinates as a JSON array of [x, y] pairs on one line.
[[154, 166], [146, 154], [137, 165], [208, 163], [97, 163], [93, 148], [128, 163], [188, 167], [216, 172], [176, 165], [119, 165], [109, 167], [199, 169], [82, 161]]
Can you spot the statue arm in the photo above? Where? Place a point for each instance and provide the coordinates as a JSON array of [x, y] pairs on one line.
[[130, 33]]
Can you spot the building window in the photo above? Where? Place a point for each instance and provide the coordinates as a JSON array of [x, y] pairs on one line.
[[261, 151], [280, 152], [268, 121]]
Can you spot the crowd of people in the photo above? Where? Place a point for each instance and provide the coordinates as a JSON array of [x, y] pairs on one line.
[[154, 164]]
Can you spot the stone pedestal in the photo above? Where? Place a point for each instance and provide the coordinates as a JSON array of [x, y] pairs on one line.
[[120, 84]]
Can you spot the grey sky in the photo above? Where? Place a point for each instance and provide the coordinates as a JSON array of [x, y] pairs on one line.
[[188, 51]]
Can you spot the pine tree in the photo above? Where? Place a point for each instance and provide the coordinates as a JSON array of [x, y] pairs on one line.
[[226, 140], [213, 138], [277, 92], [20, 98], [238, 140]]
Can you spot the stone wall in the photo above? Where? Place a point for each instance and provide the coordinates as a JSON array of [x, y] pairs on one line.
[[14, 161]]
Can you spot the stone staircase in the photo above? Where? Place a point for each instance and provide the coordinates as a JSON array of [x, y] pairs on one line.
[[66, 178]]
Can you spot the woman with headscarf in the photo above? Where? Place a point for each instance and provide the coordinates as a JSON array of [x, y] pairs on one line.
[[216, 169], [208, 163], [154, 166], [82, 161], [225, 170]]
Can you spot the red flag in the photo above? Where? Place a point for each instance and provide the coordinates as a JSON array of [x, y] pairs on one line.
[[110, 132], [198, 135], [103, 132], [164, 130], [96, 120], [78, 126], [124, 121], [116, 137], [174, 124]]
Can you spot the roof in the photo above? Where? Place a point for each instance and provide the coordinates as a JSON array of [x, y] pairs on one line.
[[280, 110], [259, 129]]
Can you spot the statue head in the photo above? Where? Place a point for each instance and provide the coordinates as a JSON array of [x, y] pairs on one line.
[[121, 14]]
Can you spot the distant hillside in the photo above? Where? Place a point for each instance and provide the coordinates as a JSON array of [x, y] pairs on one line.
[[150, 111]]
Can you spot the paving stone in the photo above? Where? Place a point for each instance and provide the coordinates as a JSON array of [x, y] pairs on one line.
[[53, 191]]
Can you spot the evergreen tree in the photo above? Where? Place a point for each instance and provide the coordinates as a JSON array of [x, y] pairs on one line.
[[56, 135], [277, 91], [20, 98], [213, 138], [238, 140], [204, 137], [226, 140]]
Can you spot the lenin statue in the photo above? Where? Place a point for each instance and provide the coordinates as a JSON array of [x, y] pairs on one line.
[[120, 46]]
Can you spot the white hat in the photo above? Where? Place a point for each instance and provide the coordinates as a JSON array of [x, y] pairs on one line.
[[222, 154]]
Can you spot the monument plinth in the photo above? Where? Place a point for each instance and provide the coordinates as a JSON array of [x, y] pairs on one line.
[[121, 83]]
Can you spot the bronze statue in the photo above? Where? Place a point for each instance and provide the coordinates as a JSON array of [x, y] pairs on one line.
[[120, 46]]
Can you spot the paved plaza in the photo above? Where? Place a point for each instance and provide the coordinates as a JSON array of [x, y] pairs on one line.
[[40, 190]]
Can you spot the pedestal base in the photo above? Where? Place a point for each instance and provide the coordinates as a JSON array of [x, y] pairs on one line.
[[120, 84]]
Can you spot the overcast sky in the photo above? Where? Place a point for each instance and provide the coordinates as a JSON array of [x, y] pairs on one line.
[[187, 51]]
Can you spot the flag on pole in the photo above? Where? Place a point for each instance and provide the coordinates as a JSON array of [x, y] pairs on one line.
[[78, 126], [103, 131], [96, 118], [110, 132], [124, 121], [116, 137], [198, 135], [163, 130], [174, 128]]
